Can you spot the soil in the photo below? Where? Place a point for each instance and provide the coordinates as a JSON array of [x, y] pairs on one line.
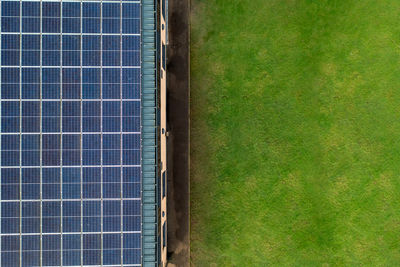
[[178, 121]]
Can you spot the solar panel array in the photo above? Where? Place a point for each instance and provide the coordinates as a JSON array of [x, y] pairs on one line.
[[70, 133]]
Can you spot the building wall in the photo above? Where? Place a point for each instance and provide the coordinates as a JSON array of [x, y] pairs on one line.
[[163, 129]]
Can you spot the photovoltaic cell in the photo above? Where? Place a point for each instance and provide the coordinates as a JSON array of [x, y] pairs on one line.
[[70, 133]]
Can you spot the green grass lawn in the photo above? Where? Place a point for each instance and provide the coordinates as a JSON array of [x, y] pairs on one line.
[[295, 133]]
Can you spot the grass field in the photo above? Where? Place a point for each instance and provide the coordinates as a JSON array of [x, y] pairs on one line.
[[295, 133]]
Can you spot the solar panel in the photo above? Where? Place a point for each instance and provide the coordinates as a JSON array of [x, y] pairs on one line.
[[70, 133]]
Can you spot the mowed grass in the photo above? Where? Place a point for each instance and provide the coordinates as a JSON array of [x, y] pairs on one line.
[[295, 133]]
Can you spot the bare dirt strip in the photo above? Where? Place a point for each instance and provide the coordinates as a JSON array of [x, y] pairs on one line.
[[178, 120]]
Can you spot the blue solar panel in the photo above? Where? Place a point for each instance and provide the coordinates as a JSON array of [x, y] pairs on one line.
[[70, 133]]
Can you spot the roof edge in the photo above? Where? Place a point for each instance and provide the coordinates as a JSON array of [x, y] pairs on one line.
[[148, 133]]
